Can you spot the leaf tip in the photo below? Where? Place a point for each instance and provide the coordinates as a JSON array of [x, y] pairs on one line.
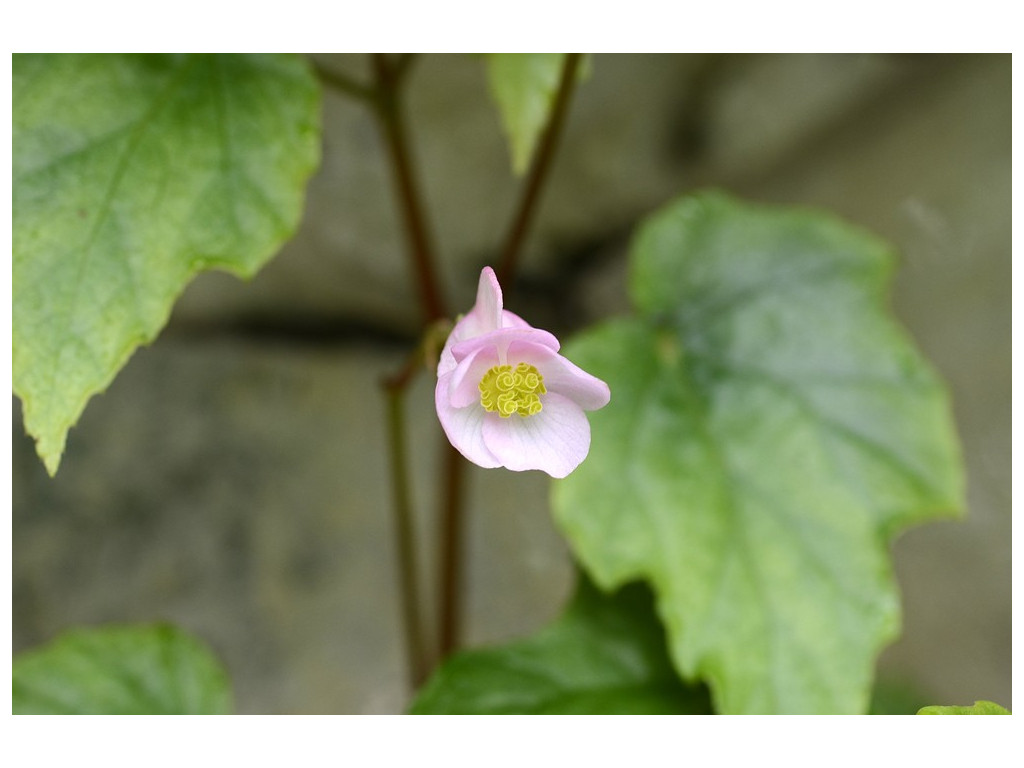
[[52, 463], [49, 443]]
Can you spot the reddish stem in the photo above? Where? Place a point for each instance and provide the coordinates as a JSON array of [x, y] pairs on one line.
[[389, 112], [542, 161]]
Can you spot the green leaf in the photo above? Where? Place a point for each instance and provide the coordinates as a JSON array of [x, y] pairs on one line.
[[895, 698], [979, 708], [605, 655], [121, 670], [770, 428], [131, 174], [524, 87]]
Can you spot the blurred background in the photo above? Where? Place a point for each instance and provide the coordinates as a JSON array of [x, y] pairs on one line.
[[233, 479]]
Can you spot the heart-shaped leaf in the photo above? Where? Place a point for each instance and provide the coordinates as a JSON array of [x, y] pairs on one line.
[[121, 670], [770, 428], [131, 174]]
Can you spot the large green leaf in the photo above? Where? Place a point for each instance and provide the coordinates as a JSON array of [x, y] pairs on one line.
[[978, 708], [121, 670], [770, 428], [524, 87], [605, 655], [131, 174]]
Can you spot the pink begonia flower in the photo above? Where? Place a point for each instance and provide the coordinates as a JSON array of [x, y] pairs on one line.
[[504, 395]]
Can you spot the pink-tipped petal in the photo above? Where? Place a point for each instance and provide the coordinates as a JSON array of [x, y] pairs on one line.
[[488, 298], [486, 314], [512, 320], [463, 426], [556, 440], [562, 376]]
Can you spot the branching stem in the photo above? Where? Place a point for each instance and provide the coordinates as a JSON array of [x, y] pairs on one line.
[[385, 97]]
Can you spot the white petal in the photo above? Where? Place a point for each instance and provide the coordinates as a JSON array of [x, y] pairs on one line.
[[446, 363], [563, 377], [556, 440], [464, 388], [463, 426], [500, 340]]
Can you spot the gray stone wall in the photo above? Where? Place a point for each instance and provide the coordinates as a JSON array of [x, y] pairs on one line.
[[233, 478]]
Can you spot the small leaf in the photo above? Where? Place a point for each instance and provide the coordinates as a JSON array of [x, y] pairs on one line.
[[121, 670], [131, 174], [770, 428], [605, 655], [524, 87], [979, 708]]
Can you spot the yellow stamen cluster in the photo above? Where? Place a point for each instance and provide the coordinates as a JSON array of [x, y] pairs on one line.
[[509, 390]]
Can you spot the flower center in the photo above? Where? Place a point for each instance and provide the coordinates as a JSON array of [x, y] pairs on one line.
[[509, 390]]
